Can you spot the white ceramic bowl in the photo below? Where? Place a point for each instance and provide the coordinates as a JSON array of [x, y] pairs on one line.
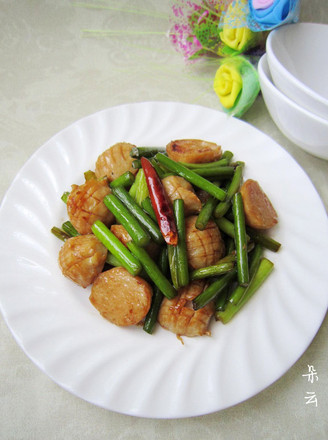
[[308, 131], [298, 61]]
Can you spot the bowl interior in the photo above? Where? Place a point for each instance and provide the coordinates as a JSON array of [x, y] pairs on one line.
[[303, 128], [302, 49], [272, 92]]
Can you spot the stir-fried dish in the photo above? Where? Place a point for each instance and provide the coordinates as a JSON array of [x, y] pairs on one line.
[[170, 236]]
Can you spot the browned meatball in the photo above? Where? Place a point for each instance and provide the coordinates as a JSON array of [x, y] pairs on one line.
[[82, 258], [120, 297], [193, 151], [204, 247], [115, 161], [259, 212], [85, 205]]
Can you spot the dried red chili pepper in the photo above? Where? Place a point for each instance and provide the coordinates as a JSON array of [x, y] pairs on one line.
[[163, 211]]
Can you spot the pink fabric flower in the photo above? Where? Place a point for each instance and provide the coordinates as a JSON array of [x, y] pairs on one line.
[[262, 4]]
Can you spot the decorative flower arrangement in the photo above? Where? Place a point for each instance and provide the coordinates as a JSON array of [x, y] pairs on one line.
[[234, 32]]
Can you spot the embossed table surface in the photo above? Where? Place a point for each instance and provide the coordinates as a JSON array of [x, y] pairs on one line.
[[55, 69]]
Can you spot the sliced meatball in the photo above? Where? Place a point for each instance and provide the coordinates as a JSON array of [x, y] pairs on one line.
[[82, 258], [120, 297], [193, 151], [178, 316], [122, 234], [204, 247], [115, 161], [178, 188], [85, 205], [259, 212]]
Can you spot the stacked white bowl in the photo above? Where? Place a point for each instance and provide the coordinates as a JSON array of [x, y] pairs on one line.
[[294, 82]]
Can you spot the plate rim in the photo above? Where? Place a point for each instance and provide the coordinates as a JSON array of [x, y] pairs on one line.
[[95, 115]]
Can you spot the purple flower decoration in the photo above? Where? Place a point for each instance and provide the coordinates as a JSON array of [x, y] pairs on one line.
[[186, 43], [181, 33]]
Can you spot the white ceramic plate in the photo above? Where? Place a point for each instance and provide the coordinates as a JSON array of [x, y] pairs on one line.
[[125, 369]]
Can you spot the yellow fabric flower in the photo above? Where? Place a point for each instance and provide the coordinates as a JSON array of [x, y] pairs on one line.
[[234, 33], [228, 84], [237, 38]]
